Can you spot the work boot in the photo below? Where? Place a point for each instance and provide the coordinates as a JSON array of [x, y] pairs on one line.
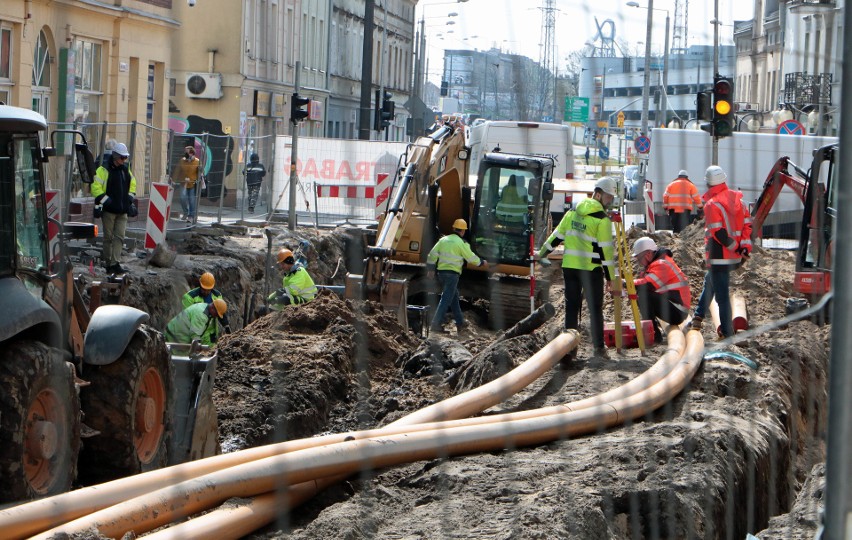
[[696, 323], [600, 352], [460, 327]]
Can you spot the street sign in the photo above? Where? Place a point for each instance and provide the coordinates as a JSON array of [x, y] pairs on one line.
[[791, 127], [576, 109], [642, 144], [603, 152], [620, 118], [603, 124]]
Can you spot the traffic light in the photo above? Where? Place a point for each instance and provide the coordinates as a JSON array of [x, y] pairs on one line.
[[384, 111], [704, 112], [724, 116], [298, 108]]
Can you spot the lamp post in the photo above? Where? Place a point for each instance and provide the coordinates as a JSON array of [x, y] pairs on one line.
[[664, 102]]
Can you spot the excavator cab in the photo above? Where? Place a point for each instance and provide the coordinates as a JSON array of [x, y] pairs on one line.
[[814, 257]]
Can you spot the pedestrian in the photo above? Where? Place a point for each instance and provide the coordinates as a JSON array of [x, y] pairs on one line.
[[727, 243], [587, 234], [255, 171], [114, 190], [297, 286], [662, 288], [680, 199], [186, 173], [587, 156], [197, 321], [206, 294], [448, 257]]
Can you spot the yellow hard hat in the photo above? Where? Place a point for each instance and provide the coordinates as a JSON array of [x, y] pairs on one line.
[[460, 224], [285, 254], [221, 307], [207, 280]]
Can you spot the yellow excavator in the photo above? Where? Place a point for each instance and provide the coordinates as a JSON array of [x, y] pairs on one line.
[[506, 206]]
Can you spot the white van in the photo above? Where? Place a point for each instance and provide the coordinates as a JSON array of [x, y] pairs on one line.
[[528, 138]]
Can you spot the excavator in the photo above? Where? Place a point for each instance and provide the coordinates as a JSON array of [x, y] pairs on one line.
[[88, 392], [817, 189], [506, 206]]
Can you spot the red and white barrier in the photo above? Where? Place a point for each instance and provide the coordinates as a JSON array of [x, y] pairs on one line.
[[51, 201], [159, 209], [648, 195]]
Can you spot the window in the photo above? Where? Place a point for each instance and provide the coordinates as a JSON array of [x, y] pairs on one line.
[[5, 53], [41, 62], [87, 81], [29, 208]]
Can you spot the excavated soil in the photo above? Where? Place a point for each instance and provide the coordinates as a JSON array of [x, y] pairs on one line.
[[727, 457]]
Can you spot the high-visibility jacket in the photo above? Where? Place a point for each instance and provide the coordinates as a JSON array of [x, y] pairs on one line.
[[450, 253], [513, 206], [681, 196], [113, 187], [195, 296], [192, 323], [299, 286], [587, 233], [726, 229], [665, 276]]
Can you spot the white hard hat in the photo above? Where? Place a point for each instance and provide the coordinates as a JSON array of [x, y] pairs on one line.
[[715, 175], [644, 244], [683, 173], [608, 185], [120, 149]]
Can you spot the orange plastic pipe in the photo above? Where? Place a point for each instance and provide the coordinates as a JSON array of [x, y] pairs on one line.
[[740, 311], [30, 518], [161, 507]]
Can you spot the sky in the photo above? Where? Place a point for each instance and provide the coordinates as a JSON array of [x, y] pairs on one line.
[[515, 26]]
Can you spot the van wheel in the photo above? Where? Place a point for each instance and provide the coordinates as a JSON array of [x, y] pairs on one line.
[[131, 403], [39, 422]]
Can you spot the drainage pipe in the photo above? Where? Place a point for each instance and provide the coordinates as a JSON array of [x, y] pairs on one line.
[[175, 502], [30, 518], [740, 311]]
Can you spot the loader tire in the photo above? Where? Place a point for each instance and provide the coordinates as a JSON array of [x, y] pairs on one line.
[[131, 403], [39, 422]]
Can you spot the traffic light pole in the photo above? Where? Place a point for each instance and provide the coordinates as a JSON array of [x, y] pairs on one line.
[[714, 157], [294, 156]]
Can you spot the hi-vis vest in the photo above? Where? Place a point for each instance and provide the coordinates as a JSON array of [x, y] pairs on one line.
[[587, 234], [450, 253], [513, 206], [723, 210], [666, 276], [299, 286], [681, 195]]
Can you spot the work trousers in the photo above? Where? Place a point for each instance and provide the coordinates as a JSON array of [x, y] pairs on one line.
[[679, 220], [449, 281], [115, 226], [717, 283], [665, 306], [253, 192], [586, 284]]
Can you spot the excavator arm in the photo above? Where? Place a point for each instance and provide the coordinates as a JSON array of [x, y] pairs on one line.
[[783, 173]]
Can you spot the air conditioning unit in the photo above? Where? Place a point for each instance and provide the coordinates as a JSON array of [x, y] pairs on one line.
[[204, 85]]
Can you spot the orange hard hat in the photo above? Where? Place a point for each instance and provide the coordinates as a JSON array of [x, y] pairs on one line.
[[221, 307], [207, 280], [285, 254]]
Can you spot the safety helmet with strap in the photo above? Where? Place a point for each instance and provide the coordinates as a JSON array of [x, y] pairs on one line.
[[644, 244], [207, 280], [284, 255]]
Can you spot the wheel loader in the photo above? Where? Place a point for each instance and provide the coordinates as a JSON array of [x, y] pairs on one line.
[[506, 206], [85, 396]]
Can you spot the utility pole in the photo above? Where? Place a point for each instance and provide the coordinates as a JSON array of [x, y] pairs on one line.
[[366, 71], [294, 157], [715, 148], [646, 74]]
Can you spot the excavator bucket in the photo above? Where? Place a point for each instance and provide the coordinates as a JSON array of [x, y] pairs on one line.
[[196, 427]]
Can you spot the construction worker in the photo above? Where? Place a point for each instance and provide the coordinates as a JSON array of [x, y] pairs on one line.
[[680, 200], [297, 285], [513, 204], [587, 233], [205, 293], [661, 286], [727, 242], [114, 190], [198, 321], [448, 256]]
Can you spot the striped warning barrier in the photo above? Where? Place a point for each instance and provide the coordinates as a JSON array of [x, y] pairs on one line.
[[649, 206], [159, 209], [51, 201]]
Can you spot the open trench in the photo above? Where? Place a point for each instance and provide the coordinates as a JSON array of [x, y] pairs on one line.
[[729, 455]]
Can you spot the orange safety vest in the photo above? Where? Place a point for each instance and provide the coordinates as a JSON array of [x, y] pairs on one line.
[[666, 276], [723, 210], [681, 195]]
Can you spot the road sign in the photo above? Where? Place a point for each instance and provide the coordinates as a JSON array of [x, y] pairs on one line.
[[603, 152], [791, 127], [642, 144], [576, 109], [620, 118], [603, 124]]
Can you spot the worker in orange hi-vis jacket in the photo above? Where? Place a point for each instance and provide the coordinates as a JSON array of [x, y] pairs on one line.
[[662, 288], [680, 199]]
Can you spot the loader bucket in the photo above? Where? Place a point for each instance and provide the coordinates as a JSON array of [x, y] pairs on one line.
[[196, 428]]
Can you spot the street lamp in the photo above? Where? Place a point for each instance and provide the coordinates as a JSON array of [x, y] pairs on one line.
[[664, 102]]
